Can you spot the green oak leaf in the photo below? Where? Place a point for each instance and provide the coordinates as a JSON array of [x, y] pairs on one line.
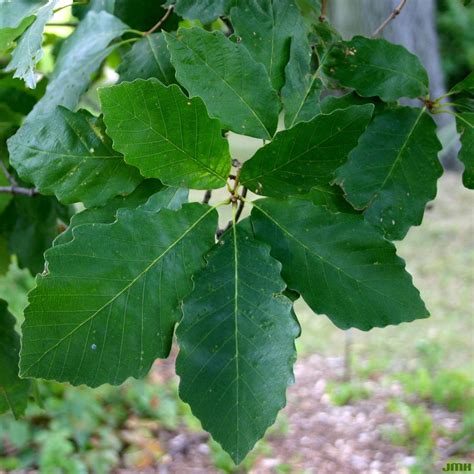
[[30, 225], [265, 28], [204, 10], [465, 126], [224, 75], [13, 390], [307, 154], [149, 57], [166, 134], [341, 265], [29, 49], [80, 56], [393, 171], [304, 72], [145, 197], [68, 154], [236, 342], [109, 314], [375, 67]]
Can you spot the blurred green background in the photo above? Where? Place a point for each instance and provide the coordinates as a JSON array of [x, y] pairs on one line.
[[419, 376]]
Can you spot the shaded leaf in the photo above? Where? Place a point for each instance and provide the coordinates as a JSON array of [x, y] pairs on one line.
[[465, 126], [13, 390], [393, 171], [204, 10], [331, 103], [16, 96], [108, 315], [466, 85], [140, 14], [30, 225], [236, 343], [149, 57], [68, 154], [266, 28], [224, 74], [330, 196], [5, 198], [4, 255], [304, 72], [80, 11], [165, 134], [340, 264], [145, 197], [375, 67], [307, 154], [29, 49]]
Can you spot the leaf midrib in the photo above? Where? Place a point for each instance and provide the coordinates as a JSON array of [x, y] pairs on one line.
[[397, 159]]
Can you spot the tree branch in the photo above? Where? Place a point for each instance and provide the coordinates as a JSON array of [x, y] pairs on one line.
[[324, 8], [395, 12], [160, 22], [241, 204], [207, 197], [19, 190]]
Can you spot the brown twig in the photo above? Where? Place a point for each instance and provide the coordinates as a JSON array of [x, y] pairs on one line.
[[160, 22], [394, 13], [19, 190], [324, 8], [207, 197]]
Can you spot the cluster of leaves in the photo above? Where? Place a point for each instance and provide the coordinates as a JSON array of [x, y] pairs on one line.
[[351, 171]]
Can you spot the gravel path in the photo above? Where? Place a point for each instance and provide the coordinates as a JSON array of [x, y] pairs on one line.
[[322, 438]]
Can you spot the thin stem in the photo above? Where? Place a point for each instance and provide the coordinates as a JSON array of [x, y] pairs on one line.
[[130, 40], [160, 22], [207, 197], [136, 32], [66, 24], [393, 14], [18, 190], [7, 174]]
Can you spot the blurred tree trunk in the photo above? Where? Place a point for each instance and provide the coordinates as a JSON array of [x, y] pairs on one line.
[[414, 28]]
